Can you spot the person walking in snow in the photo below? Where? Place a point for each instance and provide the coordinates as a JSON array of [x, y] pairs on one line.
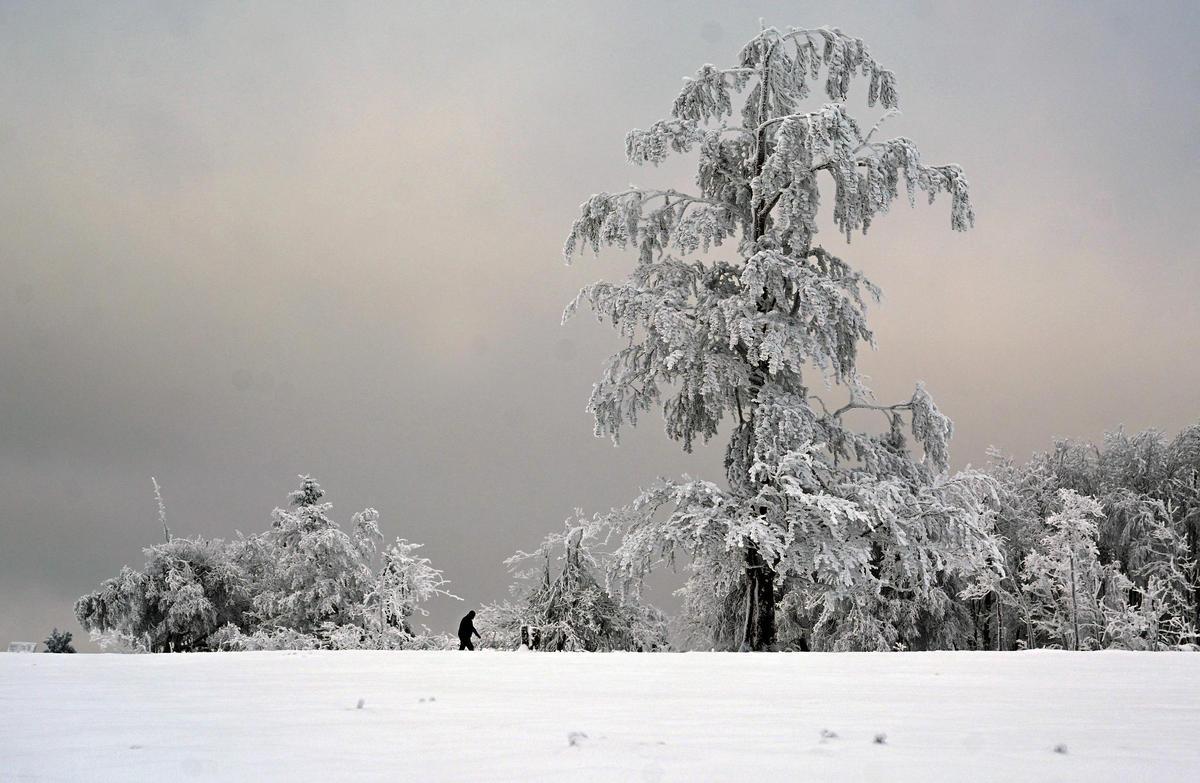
[[465, 629]]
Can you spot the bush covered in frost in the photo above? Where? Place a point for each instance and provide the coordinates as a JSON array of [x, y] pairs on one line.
[[304, 583]]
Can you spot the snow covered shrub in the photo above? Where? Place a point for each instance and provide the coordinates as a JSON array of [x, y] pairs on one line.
[[648, 627], [348, 637], [59, 642], [430, 641], [117, 642], [499, 623], [735, 315], [303, 584], [562, 596], [230, 638], [188, 589], [404, 581]]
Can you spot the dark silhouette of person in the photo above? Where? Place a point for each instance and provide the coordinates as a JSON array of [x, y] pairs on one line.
[[465, 629]]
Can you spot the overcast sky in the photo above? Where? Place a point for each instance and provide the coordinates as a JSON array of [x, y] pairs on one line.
[[243, 242]]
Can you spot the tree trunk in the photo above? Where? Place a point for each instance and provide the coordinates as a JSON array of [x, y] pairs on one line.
[[759, 635], [999, 624], [1193, 544], [1074, 602], [758, 580]]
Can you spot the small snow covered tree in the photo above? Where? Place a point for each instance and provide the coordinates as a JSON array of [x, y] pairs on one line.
[[1003, 611], [59, 642], [404, 581], [321, 574], [864, 536], [1078, 602], [560, 594]]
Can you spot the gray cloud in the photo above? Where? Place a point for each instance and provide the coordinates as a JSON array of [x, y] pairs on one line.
[[245, 242]]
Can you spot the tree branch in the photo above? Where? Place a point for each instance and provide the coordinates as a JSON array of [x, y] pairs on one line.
[[859, 405]]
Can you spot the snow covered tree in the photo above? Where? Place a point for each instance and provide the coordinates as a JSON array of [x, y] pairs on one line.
[[320, 582], [1148, 488], [559, 593], [188, 589], [59, 642], [864, 536], [1078, 602], [405, 580], [1003, 613], [1065, 571], [321, 573]]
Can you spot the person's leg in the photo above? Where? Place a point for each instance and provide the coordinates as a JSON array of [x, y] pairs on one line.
[[462, 645], [469, 645]]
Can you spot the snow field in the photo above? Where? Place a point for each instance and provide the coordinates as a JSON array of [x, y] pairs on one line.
[[449, 716]]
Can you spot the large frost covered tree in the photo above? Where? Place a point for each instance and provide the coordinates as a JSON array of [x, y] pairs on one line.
[[734, 313]]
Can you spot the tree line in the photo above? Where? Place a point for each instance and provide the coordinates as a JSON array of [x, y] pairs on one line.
[[1095, 547]]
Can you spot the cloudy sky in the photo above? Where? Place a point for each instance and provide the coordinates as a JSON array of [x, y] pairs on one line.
[[242, 242]]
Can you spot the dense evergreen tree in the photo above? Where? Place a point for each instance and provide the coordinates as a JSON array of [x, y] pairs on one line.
[[321, 573], [59, 642]]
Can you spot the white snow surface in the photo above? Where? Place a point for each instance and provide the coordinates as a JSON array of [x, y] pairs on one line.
[[432, 716]]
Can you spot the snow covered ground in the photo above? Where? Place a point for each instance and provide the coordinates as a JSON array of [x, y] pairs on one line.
[[430, 716]]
